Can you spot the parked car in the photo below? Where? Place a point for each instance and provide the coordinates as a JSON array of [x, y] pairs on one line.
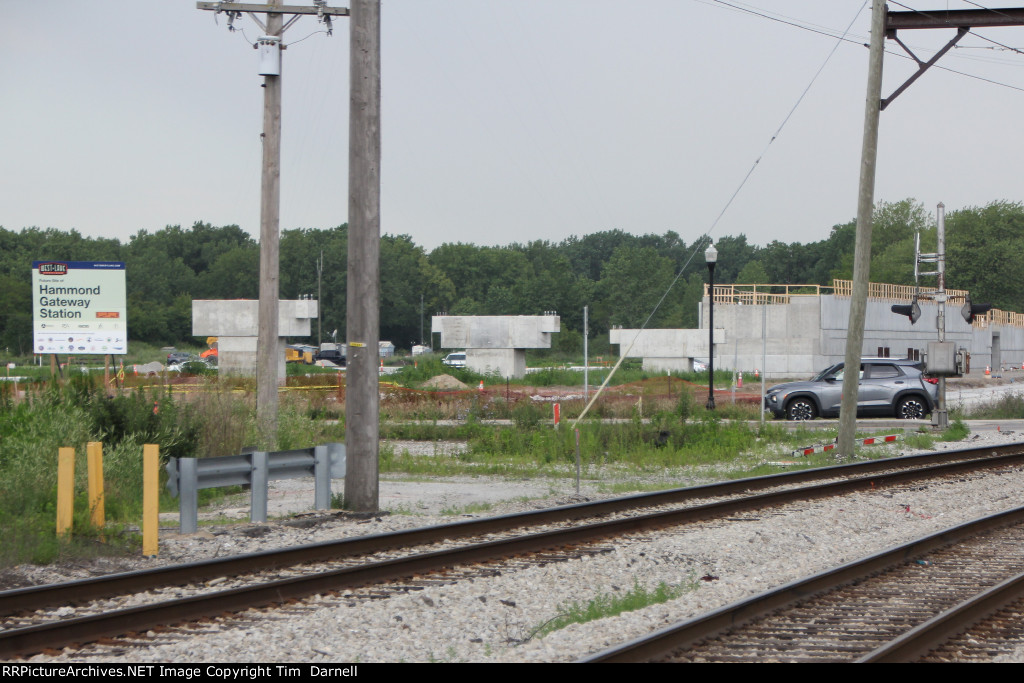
[[175, 357], [700, 365], [331, 352], [193, 365], [455, 360], [887, 387]]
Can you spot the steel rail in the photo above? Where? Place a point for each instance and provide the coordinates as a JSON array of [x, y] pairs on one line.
[[925, 637], [685, 634], [77, 592], [19, 641]]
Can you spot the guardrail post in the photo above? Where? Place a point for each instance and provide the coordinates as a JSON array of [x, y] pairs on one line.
[[150, 499], [321, 478], [65, 491], [258, 488], [188, 492], [94, 466]]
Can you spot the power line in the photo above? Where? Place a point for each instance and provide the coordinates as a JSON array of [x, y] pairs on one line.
[[789, 21], [703, 239]]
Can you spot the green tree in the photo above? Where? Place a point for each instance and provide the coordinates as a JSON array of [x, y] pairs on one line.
[[691, 297], [234, 274], [892, 242], [402, 282], [15, 315], [733, 254], [752, 274], [633, 282], [589, 254], [982, 253], [301, 251]]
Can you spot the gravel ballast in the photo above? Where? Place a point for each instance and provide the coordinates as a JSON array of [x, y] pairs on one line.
[[493, 618]]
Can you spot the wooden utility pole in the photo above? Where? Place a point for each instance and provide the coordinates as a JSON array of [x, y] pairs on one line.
[[888, 24], [268, 357], [270, 215], [362, 402], [862, 250]]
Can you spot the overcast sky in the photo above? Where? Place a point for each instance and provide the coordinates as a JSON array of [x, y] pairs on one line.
[[503, 120]]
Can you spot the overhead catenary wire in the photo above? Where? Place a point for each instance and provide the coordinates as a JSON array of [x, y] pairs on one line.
[[783, 19], [1002, 14], [706, 237], [858, 41], [973, 33]]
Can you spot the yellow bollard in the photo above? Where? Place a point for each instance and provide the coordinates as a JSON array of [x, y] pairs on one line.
[[65, 491], [94, 462], [150, 499]]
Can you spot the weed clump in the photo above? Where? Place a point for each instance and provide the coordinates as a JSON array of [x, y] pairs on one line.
[[610, 604]]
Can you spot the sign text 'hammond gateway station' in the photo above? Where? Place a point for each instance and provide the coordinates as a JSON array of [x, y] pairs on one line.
[[79, 307]]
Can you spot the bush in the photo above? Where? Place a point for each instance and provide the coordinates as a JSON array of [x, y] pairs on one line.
[[527, 414], [684, 406], [147, 418]]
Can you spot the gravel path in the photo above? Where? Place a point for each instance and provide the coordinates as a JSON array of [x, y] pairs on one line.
[[492, 619]]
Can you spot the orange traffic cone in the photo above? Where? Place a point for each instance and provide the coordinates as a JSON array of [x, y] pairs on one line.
[[481, 385], [757, 374], [739, 382], [988, 371]]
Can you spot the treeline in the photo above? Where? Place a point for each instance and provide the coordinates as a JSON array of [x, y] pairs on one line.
[[620, 276]]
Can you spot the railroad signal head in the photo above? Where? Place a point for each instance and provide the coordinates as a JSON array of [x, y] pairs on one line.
[[911, 310], [971, 311]]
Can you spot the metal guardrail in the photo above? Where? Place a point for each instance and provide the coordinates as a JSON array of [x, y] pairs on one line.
[[186, 476]]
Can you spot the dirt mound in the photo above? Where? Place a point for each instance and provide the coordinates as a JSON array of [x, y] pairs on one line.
[[444, 382]]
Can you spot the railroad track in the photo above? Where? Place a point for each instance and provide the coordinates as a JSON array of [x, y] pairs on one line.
[[373, 560], [896, 606]]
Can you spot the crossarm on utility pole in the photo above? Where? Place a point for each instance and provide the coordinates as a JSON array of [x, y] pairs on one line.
[[963, 18], [272, 9], [923, 66]]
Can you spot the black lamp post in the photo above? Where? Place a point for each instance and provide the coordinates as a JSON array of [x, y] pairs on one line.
[[711, 256]]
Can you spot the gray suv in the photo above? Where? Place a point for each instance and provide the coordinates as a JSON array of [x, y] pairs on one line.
[[887, 387]]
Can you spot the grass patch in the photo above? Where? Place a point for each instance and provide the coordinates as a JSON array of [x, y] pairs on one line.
[[468, 509], [611, 604], [920, 441], [957, 431], [1009, 406], [406, 510], [711, 448]]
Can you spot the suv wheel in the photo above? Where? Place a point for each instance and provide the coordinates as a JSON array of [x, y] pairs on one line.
[[911, 408], [801, 409]]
